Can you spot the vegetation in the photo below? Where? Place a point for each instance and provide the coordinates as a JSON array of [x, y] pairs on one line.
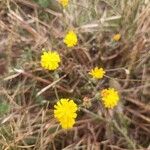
[[74, 75]]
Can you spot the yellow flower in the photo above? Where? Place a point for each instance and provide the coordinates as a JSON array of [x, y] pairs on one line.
[[64, 3], [50, 60], [71, 39], [97, 73], [65, 112], [117, 37], [110, 97]]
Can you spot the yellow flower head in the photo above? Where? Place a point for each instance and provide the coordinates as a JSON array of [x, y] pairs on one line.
[[97, 73], [50, 60], [117, 37], [110, 97], [64, 3], [65, 112], [71, 39]]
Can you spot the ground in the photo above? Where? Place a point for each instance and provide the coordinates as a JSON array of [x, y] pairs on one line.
[[28, 92]]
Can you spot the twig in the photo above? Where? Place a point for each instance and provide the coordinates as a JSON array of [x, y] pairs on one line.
[[49, 86], [130, 142]]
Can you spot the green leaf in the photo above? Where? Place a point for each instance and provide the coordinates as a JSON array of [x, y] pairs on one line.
[[44, 3], [4, 108]]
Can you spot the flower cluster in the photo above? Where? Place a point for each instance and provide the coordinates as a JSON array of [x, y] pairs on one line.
[[110, 97], [65, 112], [97, 73], [71, 39], [117, 37], [64, 3], [50, 60]]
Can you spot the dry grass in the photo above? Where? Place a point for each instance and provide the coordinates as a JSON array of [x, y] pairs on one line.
[[28, 93]]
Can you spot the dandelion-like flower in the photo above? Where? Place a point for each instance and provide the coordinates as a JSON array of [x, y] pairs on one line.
[[64, 3], [117, 37], [71, 39], [65, 112], [97, 73], [110, 97], [50, 60]]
